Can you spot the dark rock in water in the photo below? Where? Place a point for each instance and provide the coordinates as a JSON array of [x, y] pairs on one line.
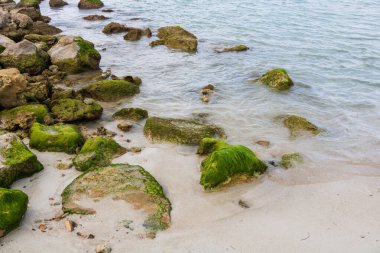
[[57, 3], [110, 90], [95, 17], [237, 48], [12, 88], [134, 114], [135, 34], [290, 160], [176, 37], [90, 4], [277, 79], [125, 127], [114, 27], [70, 110], [265, 144], [298, 125], [107, 10]]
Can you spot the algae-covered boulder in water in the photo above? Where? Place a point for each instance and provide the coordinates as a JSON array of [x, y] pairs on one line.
[[16, 160], [110, 90], [55, 138], [97, 152], [90, 4], [114, 27], [134, 114], [57, 3], [74, 55], [22, 117], [298, 125], [130, 183], [226, 162], [290, 160], [277, 79], [180, 131], [237, 48], [13, 205], [176, 37], [69, 110]]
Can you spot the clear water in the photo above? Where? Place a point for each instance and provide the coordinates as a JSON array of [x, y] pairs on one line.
[[331, 49]]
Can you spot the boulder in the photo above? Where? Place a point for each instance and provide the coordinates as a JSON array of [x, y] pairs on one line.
[[70, 110], [97, 152], [179, 131], [29, 3], [90, 4], [135, 34], [5, 42], [38, 89], [26, 57], [134, 114], [114, 27], [50, 40], [57, 3], [291, 160], [95, 17], [74, 55], [176, 37], [110, 90], [130, 183], [298, 125], [43, 28], [226, 163], [12, 88], [13, 205], [277, 79], [16, 160], [56, 138], [237, 48]]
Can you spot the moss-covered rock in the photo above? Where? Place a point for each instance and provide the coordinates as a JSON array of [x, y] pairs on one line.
[[134, 114], [69, 110], [298, 125], [50, 40], [56, 138], [290, 160], [277, 79], [120, 182], [110, 90], [90, 4], [13, 205], [176, 37], [29, 3], [16, 160], [237, 48], [114, 27], [179, 131], [226, 162], [97, 152], [22, 117]]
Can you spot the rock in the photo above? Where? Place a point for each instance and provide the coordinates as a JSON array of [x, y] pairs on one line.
[[50, 40], [55, 138], [61, 93], [22, 117], [237, 48], [29, 3], [70, 110], [5, 42], [291, 160], [26, 57], [205, 99], [277, 79], [97, 152], [43, 28], [110, 90], [101, 131], [38, 89], [90, 4], [133, 79], [12, 88], [298, 125], [179, 131], [13, 205], [208, 89], [107, 10], [74, 55], [226, 163], [134, 114], [63, 166], [16, 160], [130, 183], [243, 204], [265, 144], [135, 34], [95, 17], [102, 248], [176, 37], [114, 27], [135, 149], [57, 3], [69, 225], [125, 127]]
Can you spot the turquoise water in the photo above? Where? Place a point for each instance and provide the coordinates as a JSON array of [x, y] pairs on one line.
[[331, 50]]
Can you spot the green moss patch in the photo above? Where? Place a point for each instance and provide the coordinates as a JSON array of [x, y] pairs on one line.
[[290, 160], [69, 110], [131, 114], [110, 90], [277, 79], [298, 125]]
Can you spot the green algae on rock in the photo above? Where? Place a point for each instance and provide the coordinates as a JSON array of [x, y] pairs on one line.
[[13, 205], [277, 79], [50, 40], [290, 160], [176, 37], [226, 162], [237, 48], [90, 4], [97, 152], [298, 125], [134, 114], [179, 131], [56, 138], [69, 110], [130, 183], [22, 117], [110, 90], [16, 160]]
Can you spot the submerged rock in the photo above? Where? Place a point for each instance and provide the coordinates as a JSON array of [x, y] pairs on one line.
[[13, 205], [179, 131], [57, 3], [298, 125], [134, 114], [90, 4], [110, 90], [114, 27], [226, 163], [16, 160], [176, 37], [95, 17], [12, 88], [290, 160], [97, 152], [237, 48], [55, 138], [69, 110], [130, 183], [277, 79]]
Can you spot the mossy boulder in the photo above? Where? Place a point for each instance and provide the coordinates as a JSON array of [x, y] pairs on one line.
[[179, 131], [90, 4], [237, 48], [110, 90], [56, 138], [176, 37], [97, 152], [74, 55], [29, 3], [130, 183], [291, 160], [277, 79], [227, 163], [50, 40], [13, 205], [114, 27], [298, 125], [70, 110], [134, 114], [16, 160], [22, 117]]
